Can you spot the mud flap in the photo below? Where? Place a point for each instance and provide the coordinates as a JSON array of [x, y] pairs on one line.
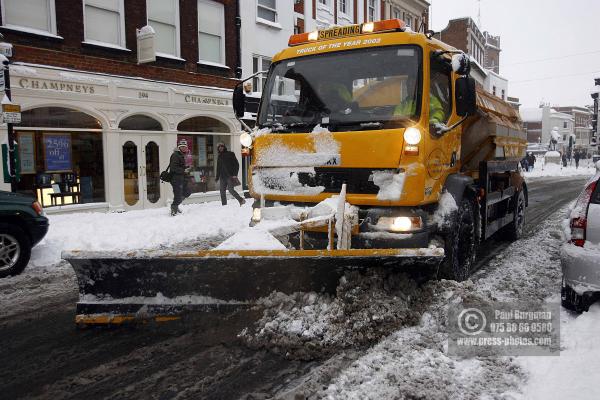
[[116, 288]]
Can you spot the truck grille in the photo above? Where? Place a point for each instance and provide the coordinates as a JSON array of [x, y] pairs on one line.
[[356, 179]]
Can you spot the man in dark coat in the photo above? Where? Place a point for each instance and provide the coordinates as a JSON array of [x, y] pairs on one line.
[[227, 168], [577, 157], [177, 169]]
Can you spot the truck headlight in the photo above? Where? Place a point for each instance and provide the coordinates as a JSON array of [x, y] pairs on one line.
[[400, 224], [412, 136], [246, 139]]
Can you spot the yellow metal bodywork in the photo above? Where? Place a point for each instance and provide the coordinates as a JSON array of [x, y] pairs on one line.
[[382, 149]]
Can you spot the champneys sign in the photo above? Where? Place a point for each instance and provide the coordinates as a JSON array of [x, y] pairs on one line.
[[70, 87], [215, 101]]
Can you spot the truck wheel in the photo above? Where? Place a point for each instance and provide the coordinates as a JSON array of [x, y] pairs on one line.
[[514, 230], [15, 250], [461, 246]]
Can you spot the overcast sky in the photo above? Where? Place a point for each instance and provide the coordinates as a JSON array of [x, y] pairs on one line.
[[550, 48]]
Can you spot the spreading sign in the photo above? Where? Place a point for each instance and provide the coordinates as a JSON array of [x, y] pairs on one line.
[[57, 149]]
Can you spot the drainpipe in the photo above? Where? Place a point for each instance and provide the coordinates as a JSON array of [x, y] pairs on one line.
[[238, 29]]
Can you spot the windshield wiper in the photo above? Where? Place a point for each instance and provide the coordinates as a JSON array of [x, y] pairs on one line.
[[289, 127], [355, 125]]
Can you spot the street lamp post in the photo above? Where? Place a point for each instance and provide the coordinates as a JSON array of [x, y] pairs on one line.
[[12, 167], [595, 96]]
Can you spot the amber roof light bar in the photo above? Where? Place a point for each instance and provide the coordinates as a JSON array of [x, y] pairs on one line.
[[388, 25]]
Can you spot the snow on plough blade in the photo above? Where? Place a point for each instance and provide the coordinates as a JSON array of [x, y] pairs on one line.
[[114, 289]]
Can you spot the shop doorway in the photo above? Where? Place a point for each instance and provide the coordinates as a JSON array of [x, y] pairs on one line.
[[141, 171]]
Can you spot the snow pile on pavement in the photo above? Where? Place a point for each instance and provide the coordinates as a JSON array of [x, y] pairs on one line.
[[575, 373], [584, 169], [133, 231], [310, 325]]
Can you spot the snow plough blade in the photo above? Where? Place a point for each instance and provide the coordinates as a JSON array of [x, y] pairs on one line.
[[149, 286]]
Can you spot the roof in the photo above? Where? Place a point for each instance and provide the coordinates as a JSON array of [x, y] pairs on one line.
[[532, 114]]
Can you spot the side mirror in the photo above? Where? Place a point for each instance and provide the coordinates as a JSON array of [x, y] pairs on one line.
[[461, 64], [465, 96], [239, 101]]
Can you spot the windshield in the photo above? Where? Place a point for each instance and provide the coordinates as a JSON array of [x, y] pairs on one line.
[[352, 90]]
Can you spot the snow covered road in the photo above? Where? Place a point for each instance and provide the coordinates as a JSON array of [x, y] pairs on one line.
[[45, 357]]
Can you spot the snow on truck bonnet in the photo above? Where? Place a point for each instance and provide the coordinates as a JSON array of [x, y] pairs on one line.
[[286, 163]]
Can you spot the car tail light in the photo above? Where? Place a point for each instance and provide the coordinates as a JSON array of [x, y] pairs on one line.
[[579, 222], [37, 208]]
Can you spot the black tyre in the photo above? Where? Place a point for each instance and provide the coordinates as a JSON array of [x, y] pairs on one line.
[[573, 301], [15, 250], [460, 244], [514, 230]]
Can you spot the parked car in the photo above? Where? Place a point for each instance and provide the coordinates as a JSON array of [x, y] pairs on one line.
[[580, 257], [22, 225]]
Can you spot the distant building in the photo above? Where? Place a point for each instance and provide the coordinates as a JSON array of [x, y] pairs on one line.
[[583, 125], [484, 49], [539, 123], [414, 12]]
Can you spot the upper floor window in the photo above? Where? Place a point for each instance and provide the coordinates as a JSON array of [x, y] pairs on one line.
[[397, 13], [408, 20], [371, 11], [104, 22], [211, 32], [163, 16], [259, 63], [324, 2], [37, 16], [267, 9], [343, 6]]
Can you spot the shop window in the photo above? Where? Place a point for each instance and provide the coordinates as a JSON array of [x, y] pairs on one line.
[[202, 124], [211, 32], [35, 15], [267, 10], [64, 165], [202, 155], [104, 22], [58, 117], [140, 123], [163, 16]]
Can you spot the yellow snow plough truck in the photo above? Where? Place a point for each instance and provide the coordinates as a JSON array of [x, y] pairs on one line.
[[373, 147]]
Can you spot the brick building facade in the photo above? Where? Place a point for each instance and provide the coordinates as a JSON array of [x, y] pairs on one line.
[[98, 124]]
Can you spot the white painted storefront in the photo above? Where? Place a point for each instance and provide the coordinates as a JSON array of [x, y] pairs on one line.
[[138, 121]]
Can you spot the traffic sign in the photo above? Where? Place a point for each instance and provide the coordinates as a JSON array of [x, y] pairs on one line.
[[12, 117]]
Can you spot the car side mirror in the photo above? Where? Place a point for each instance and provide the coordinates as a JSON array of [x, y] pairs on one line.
[[239, 101], [465, 96]]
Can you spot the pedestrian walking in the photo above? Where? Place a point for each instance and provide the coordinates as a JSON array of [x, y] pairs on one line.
[[577, 157], [525, 164], [227, 170], [564, 160], [531, 161], [178, 179]]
